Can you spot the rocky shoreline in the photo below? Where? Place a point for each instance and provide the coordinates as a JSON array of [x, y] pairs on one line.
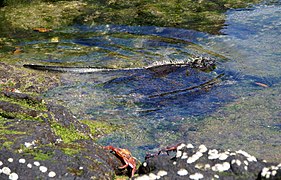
[[43, 140]]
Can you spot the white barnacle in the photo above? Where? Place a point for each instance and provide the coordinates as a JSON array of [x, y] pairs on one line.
[[36, 163], [226, 166], [179, 153], [202, 148], [233, 161], [221, 167], [264, 171], [199, 166], [144, 177], [162, 173], [28, 144], [267, 176], [184, 155], [81, 168], [249, 157], [213, 151], [52, 174], [238, 162], [1, 163], [144, 164], [213, 154], [223, 156], [246, 163], [6, 170], [22, 161], [191, 160], [207, 166], [152, 176], [196, 176], [10, 160], [13, 176], [29, 165], [194, 157], [190, 146], [180, 146], [216, 176], [182, 172], [252, 159], [175, 162], [273, 173], [43, 169], [246, 168]]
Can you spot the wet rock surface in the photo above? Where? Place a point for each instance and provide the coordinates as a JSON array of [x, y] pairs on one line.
[[190, 162], [43, 140]]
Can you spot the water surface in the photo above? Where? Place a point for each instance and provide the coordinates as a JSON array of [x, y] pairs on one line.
[[158, 109]]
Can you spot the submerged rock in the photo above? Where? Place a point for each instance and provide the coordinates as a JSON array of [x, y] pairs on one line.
[[204, 163]]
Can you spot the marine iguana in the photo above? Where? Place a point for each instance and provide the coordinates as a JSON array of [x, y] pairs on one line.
[[199, 62]]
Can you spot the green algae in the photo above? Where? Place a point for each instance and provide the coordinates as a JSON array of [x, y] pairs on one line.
[[69, 134], [25, 103], [75, 171], [100, 128], [202, 15], [70, 151]]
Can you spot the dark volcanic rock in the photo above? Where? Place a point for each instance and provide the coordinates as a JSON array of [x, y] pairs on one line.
[[32, 146], [204, 163]]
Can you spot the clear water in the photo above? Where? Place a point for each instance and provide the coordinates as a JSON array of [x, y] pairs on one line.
[[247, 52]]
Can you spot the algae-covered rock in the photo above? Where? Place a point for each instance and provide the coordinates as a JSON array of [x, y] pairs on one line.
[[41, 139], [50, 142], [202, 15]]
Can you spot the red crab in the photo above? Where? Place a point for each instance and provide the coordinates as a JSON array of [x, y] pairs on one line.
[[165, 150], [125, 156]]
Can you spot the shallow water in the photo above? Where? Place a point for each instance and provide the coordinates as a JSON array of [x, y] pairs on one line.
[[158, 109]]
